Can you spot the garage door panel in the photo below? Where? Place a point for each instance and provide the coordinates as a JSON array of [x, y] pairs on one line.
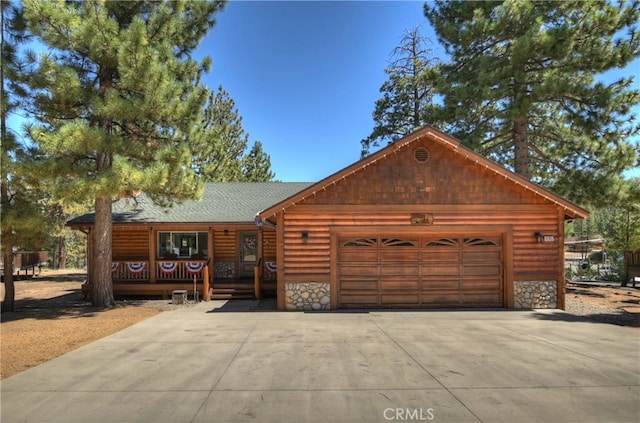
[[481, 270], [441, 299], [361, 284], [393, 284], [480, 299], [359, 270], [439, 256], [440, 283], [359, 299], [399, 254], [358, 255], [437, 271], [400, 298], [481, 256], [441, 270], [399, 269], [481, 241], [486, 284]]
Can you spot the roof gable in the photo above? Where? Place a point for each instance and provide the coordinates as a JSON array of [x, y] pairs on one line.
[[224, 202], [452, 174]]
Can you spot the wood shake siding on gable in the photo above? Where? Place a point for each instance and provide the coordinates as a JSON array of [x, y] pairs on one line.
[[446, 178]]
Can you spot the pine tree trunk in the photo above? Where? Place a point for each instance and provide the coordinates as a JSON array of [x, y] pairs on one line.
[[62, 252], [9, 288], [102, 291], [416, 93], [522, 159], [7, 248]]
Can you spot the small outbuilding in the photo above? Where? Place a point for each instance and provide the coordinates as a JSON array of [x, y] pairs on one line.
[[422, 223]]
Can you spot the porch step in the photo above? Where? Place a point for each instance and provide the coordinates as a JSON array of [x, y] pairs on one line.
[[232, 292], [234, 296], [240, 286], [268, 286]]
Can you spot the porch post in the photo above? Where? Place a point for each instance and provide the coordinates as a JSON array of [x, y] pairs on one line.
[[152, 256], [205, 283], [260, 241], [211, 258], [280, 291], [257, 271]]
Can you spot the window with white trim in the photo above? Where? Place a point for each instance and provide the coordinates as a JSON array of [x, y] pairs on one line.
[[182, 244]]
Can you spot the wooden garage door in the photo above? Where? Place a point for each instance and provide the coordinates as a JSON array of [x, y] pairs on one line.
[[420, 271]]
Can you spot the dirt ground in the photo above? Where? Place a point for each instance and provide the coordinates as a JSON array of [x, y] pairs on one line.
[[51, 318]]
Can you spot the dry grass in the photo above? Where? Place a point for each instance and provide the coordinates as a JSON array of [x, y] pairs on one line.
[[51, 318]]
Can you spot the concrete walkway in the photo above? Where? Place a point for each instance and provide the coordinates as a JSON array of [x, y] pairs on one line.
[[207, 364]]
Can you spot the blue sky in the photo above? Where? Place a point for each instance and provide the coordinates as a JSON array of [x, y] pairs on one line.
[[305, 75]]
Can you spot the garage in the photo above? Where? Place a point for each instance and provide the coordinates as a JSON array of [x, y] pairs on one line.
[[420, 271], [424, 222]]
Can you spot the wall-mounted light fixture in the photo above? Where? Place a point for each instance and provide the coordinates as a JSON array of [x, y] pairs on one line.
[[305, 237], [540, 238], [226, 231]]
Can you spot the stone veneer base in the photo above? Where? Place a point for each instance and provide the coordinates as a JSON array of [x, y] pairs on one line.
[[535, 294], [307, 296]]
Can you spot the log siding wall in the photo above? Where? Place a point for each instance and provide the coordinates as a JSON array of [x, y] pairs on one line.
[[130, 243], [225, 244], [530, 259], [269, 246]]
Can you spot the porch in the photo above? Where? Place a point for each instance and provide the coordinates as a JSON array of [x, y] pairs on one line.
[[162, 277]]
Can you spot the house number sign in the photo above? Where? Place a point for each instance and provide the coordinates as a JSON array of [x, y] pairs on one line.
[[422, 218]]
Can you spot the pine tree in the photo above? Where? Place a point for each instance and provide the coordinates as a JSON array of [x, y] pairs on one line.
[[256, 165], [522, 87], [22, 218], [220, 145], [219, 140], [408, 95], [116, 94]]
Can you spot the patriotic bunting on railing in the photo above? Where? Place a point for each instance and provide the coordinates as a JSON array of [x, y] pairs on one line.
[[114, 266], [194, 266], [167, 266], [136, 266], [271, 266]]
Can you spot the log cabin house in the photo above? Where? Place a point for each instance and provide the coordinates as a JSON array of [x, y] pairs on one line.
[[422, 223], [157, 250]]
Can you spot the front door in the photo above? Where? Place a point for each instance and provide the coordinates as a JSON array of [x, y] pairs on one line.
[[248, 253]]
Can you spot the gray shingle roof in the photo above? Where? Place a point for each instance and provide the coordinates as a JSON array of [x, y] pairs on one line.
[[227, 202]]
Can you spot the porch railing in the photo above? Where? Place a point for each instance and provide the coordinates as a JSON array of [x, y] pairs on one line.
[[172, 270], [166, 270], [129, 270]]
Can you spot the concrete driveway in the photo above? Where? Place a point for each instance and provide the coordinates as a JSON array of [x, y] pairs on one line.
[[212, 363]]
